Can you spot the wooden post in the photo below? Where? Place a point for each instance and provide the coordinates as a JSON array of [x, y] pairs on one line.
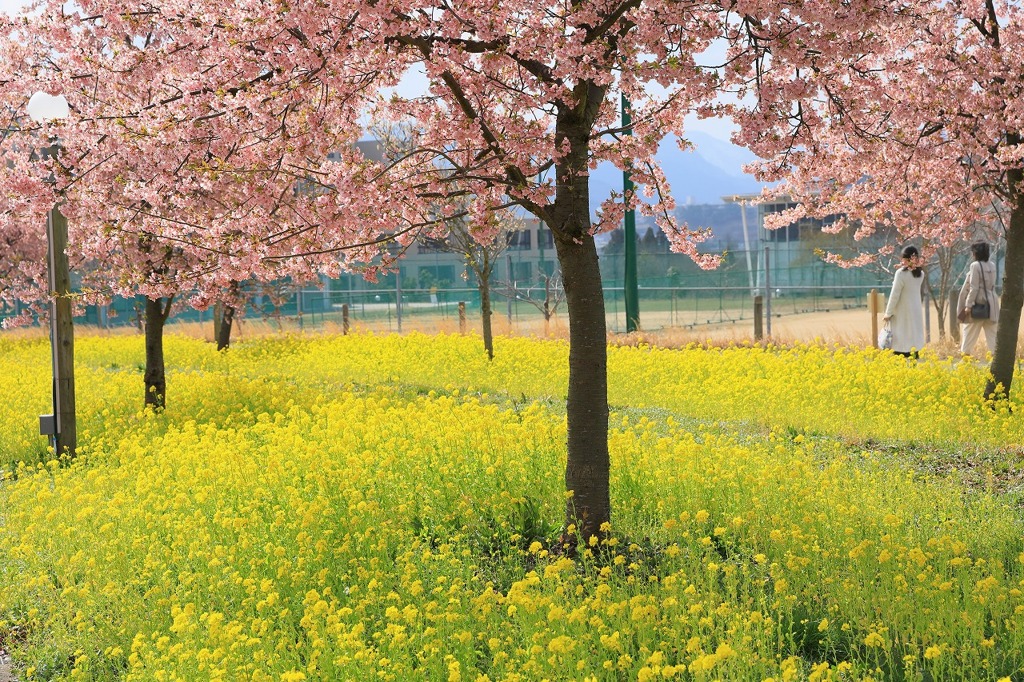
[[344, 318], [758, 318], [62, 338], [462, 317]]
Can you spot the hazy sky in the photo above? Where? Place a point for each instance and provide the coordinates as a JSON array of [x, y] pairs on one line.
[[415, 83]]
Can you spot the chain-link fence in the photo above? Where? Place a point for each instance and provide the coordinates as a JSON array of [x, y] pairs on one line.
[[673, 293]]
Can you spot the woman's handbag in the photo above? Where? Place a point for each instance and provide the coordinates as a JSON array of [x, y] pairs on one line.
[[982, 310], [885, 337]]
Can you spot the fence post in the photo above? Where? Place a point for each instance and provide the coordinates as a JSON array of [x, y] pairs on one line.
[[758, 318], [344, 318], [62, 338], [462, 317]]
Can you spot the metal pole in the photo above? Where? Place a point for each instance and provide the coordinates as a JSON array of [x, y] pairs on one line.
[[540, 248], [398, 299], [511, 289], [746, 244], [632, 293], [767, 294]]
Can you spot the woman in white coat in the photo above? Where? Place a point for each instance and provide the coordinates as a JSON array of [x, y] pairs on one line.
[[979, 287], [905, 309]]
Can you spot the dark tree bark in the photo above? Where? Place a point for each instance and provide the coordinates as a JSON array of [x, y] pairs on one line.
[[224, 328], [154, 377], [587, 467], [485, 314], [1005, 356], [218, 317]]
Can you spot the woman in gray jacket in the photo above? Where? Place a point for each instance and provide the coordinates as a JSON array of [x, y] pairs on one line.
[[979, 287]]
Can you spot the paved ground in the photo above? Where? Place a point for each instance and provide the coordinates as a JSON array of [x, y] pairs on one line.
[[5, 668]]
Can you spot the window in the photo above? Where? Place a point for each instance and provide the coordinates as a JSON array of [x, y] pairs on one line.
[[519, 240], [430, 245], [545, 239], [435, 276], [789, 233]]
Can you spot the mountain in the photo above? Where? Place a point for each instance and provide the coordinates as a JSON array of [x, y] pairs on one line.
[[704, 175]]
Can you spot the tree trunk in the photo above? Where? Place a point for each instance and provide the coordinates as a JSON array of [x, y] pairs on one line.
[[953, 298], [218, 316], [587, 464], [485, 314], [154, 377], [224, 328], [547, 307], [1004, 358]]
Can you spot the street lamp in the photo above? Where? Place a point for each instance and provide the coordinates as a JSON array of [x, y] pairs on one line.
[[743, 200], [61, 425]]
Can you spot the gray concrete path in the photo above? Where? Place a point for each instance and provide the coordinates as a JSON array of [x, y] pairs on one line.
[[5, 668]]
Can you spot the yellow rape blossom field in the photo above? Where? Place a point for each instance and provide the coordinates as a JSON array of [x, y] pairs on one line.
[[383, 508]]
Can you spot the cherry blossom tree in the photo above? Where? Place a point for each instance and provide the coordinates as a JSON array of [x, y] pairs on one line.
[[906, 113], [229, 129], [136, 225]]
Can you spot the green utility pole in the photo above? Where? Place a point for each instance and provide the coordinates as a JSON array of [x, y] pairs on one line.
[[632, 294]]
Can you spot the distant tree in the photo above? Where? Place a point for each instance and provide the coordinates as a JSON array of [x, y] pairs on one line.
[[649, 242], [616, 242], [480, 257], [546, 296]]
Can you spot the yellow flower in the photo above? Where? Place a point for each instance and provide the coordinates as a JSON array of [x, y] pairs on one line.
[[874, 640]]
